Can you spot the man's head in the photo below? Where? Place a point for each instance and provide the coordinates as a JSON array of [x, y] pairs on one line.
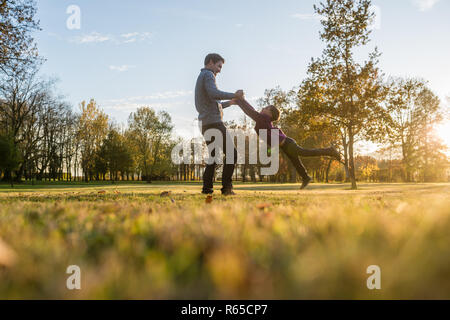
[[214, 62], [272, 111]]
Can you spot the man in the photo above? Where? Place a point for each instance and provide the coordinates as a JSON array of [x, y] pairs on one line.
[[208, 102]]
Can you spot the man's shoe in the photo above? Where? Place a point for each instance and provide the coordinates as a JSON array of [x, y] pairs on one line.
[[228, 193], [207, 191], [305, 182], [334, 153]]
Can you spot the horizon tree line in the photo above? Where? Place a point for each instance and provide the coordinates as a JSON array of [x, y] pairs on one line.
[[341, 101]]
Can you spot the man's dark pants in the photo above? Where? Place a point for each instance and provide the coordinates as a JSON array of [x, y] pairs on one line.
[[228, 167]]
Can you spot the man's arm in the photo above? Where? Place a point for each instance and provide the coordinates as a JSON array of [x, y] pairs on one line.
[[213, 92], [249, 110]]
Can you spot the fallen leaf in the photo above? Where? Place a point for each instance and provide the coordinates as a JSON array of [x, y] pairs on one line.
[[262, 206], [209, 199], [165, 194], [268, 215], [102, 191]]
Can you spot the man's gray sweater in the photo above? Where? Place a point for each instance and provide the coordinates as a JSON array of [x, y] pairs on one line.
[[208, 98]]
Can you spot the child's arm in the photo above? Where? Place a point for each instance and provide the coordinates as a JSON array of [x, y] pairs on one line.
[[226, 104], [248, 109]]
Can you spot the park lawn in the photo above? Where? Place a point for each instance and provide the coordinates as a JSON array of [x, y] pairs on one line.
[[271, 241]]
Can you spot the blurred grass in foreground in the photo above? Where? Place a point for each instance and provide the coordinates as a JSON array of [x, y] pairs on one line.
[[268, 242]]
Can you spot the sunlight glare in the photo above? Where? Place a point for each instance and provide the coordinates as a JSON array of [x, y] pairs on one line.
[[443, 132]]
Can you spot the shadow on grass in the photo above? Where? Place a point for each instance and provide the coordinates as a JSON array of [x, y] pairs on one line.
[[346, 187], [4, 187], [290, 187], [239, 186]]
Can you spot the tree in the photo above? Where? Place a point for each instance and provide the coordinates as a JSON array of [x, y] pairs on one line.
[[32, 115], [346, 93], [9, 156], [413, 109], [116, 154], [150, 133], [402, 97], [17, 22], [101, 162], [92, 130], [430, 149], [366, 167]]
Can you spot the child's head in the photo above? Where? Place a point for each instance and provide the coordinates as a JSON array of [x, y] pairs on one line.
[[272, 111]]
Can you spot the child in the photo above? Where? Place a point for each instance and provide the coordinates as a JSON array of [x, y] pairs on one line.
[[288, 145]]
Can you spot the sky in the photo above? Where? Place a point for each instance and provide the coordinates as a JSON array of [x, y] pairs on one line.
[[129, 54]]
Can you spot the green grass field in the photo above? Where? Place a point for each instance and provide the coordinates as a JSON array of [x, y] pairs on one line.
[[268, 242]]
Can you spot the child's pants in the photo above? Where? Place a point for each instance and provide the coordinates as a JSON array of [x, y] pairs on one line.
[[294, 151]]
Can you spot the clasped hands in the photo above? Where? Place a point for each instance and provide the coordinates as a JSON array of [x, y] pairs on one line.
[[238, 95]]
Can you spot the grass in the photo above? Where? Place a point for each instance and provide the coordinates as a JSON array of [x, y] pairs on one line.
[[268, 242]]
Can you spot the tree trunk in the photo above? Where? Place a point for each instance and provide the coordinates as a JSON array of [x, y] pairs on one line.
[[328, 170], [347, 171], [19, 173], [351, 159]]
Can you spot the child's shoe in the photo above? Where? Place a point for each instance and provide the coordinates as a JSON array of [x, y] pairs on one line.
[[305, 182]]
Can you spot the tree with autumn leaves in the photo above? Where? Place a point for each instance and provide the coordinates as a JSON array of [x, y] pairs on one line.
[[413, 110], [149, 134], [92, 130], [341, 100], [17, 47], [344, 101], [143, 149], [348, 94]]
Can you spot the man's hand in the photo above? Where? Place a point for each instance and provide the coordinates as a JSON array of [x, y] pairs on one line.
[[239, 94]]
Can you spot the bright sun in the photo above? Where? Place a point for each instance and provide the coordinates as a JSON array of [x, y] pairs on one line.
[[443, 132]]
